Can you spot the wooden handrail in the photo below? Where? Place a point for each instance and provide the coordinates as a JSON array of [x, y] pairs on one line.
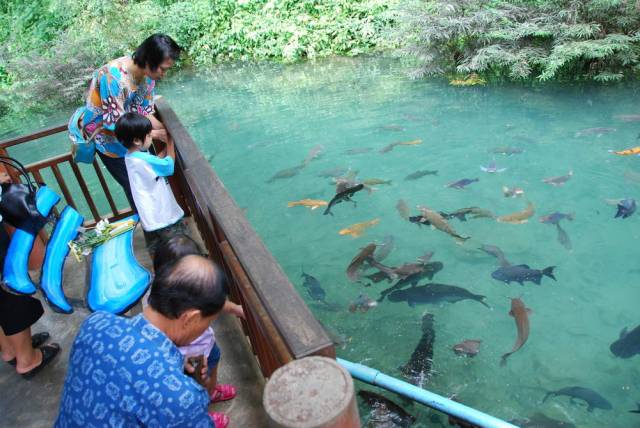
[[298, 328], [10, 142]]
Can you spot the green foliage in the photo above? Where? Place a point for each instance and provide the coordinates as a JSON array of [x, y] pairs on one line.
[[524, 39], [48, 48]]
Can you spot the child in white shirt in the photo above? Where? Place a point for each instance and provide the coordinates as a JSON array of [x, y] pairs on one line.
[[160, 214]]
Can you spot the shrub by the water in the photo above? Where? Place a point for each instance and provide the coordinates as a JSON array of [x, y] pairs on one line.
[[524, 39], [48, 48]]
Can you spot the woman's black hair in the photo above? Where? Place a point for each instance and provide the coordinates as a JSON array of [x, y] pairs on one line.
[[132, 126], [154, 50], [192, 282], [173, 250]]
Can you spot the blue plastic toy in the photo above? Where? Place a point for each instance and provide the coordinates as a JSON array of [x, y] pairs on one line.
[[118, 281], [16, 264], [57, 250]]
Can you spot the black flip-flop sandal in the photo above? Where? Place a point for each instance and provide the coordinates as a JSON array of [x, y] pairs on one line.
[[37, 340], [49, 352]]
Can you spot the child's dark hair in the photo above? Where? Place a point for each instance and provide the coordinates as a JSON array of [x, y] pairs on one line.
[[173, 250], [130, 127], [154, 50]]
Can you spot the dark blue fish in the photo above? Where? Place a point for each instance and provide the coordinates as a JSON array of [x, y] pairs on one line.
[[434, 294], [418, 368], [461, 184], [628, 344], [521, 273], [345, 195], [313, 287], [588, 395], [626, 208]]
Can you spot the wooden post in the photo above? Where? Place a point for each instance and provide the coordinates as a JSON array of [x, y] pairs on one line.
[[313, 392]]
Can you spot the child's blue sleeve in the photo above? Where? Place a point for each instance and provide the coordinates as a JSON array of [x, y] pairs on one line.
[[163, 167]]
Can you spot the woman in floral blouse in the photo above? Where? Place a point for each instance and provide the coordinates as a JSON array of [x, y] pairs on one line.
[[126, 85]]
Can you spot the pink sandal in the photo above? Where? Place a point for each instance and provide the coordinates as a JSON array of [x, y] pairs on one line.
[[220, 420], [223, 393]]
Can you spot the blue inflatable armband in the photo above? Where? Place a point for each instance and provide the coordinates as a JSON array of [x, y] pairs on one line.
[[118, 281], [16, 265], [57, 250]]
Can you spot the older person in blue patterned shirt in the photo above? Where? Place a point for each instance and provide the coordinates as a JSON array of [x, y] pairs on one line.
[[126, 372]]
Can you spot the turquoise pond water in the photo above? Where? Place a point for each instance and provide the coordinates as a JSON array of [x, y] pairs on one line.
[[253, 121]]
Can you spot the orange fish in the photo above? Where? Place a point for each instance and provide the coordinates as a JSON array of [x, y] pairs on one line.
[[357, 229], [628, 152], [309, 203]]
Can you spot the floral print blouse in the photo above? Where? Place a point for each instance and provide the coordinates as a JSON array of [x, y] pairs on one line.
[[113, 93]]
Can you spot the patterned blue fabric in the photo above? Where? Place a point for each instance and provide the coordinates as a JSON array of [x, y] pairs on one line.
[[124, 372]]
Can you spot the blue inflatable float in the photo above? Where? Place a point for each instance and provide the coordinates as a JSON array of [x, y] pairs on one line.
[[118, 281], [57, 250], [16, 265]]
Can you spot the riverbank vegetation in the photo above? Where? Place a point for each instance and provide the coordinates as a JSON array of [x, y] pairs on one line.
[[525, 39], [48, 48]]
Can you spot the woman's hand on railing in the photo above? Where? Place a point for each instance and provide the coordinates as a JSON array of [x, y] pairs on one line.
[[160, 135]]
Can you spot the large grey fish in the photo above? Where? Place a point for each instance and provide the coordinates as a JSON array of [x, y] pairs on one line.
[[384, 412], [559, 180], [419, 174], [599, 132], [388, 272], [461, 184], [383, 250], [540, 420], [314, 153], [588, 395], [462, 213], [468, 348], [628, 344], [437, 221], [521, 273], [403, 209], [286, 173], [520, 314], [365, 254], [428, 271], [334, 172], [563, 237], [418, 368], [628, 117], [434, 294], [345, 195], [358, 151], [497, 253]]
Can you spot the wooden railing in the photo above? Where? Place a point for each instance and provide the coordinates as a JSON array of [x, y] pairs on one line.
[[36, 170], [278, 323]]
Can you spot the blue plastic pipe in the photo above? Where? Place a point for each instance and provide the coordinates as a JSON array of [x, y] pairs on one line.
[[118, 281], [422, 396], [16, 265], [57, 250]]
